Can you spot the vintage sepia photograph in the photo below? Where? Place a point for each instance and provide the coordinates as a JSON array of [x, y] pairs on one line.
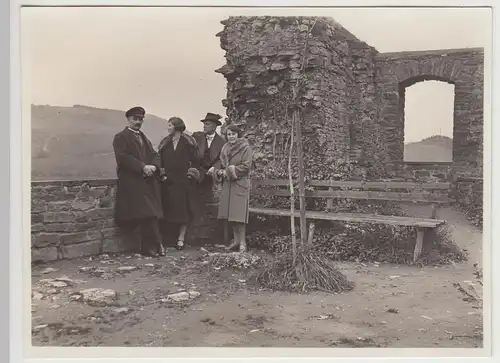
[[257, 177]]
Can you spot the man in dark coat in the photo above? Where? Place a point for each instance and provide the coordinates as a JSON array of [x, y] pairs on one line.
[[138, 201], [210, 145]]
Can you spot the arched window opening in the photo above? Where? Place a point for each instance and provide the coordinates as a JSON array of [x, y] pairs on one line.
[[428, 121]]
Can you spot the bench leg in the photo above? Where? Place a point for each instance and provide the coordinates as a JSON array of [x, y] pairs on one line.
[[311, 233], [434, 211], [419, 243]]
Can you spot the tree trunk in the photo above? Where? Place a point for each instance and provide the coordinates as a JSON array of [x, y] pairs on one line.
[[292, 193], [302, 188]]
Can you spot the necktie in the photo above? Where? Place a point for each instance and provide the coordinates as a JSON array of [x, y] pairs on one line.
[[139, 138]]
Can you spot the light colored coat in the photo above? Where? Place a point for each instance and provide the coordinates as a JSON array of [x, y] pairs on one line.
[[236, 160]]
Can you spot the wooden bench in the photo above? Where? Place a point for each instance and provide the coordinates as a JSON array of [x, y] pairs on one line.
[[434, 194]]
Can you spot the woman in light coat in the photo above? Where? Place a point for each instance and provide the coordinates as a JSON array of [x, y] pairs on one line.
[[236, 161]]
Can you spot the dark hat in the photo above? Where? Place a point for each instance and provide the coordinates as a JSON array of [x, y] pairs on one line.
[[213, 117], [135, 111]]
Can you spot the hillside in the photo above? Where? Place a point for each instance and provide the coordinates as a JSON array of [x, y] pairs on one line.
[[76, 142], [433, 149]]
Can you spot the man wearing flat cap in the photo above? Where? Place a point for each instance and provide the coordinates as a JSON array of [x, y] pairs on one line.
[[210, 145], [138, 201]]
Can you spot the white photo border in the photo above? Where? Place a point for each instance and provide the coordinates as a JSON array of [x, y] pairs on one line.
[[17, 189]]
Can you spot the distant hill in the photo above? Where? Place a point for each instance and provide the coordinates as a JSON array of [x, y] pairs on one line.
[[432, 149], [76, 142]]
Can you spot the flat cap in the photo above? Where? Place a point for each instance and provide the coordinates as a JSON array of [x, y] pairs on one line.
[[135, 111]]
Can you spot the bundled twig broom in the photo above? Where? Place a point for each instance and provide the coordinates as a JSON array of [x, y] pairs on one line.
[[308, 271]]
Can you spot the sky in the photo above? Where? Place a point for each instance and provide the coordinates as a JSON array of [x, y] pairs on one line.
[[164, 58]]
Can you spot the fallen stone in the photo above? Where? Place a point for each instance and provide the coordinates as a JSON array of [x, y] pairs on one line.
[[36, 295], [120, 310], [110, 262], [149, 265], [86, 268], [392, 310], [203, 250], [193, 294], [48, 270], [126, 268], [53, 283], [426, 317], [393, 277], [68, 281], [323, 317], [40, 327], [75, 297], [182, 296], [97, 296], [178, 297]]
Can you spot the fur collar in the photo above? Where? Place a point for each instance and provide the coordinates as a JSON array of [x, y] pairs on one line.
[[190, 140], [230, 150]]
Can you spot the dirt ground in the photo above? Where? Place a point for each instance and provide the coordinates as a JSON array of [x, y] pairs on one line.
[[390, 306]]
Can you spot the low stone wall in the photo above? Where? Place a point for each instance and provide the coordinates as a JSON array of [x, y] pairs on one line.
[[71, 219], [468, 193], [425, 171]]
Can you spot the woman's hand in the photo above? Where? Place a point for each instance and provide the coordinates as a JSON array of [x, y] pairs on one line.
[[221, 174]]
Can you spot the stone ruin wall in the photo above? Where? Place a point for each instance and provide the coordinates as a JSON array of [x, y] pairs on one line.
[[353, 97], [353, 101], [339, 106]]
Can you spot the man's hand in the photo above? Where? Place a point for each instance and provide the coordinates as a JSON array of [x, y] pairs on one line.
[[211, 171], [149, 170]]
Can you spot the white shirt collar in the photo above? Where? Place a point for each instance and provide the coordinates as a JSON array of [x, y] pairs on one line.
[[134, 131]]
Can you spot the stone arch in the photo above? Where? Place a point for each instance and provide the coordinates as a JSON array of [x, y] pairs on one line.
[[461, 67]]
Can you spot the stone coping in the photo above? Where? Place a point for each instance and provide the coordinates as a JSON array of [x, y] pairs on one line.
[[76, 182], [430, 52]]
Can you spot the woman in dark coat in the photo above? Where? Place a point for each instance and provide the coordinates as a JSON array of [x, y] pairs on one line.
[[179, 162], [236, 160]]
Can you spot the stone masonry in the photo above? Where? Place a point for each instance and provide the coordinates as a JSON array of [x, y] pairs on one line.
[[72, 219], [352, 96]]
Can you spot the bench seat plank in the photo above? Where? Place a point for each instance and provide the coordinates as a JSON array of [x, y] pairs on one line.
[[354, 217]]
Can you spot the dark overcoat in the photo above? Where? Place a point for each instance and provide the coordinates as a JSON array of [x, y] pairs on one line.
[[236, 160], [209, 156], [137, 196], [179, 193]]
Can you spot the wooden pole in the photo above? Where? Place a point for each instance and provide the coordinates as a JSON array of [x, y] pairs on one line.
[[292, 193], [300, 156], [302, 188]]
